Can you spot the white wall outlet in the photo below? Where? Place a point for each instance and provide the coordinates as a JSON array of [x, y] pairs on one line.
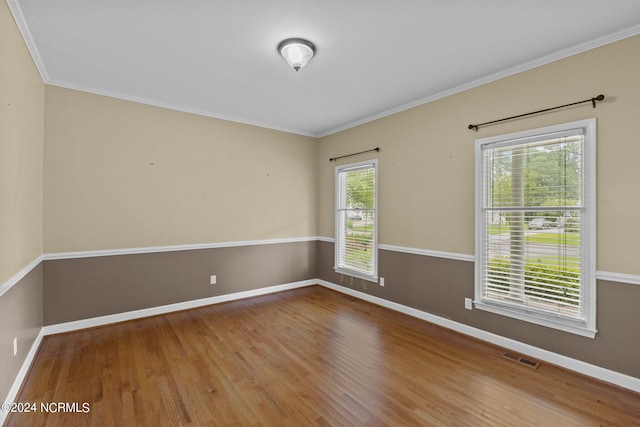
[[382, 281], [15, 345], [213, 280], [468, 304]]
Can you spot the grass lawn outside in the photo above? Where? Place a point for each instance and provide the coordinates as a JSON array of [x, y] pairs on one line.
[[563, 238]]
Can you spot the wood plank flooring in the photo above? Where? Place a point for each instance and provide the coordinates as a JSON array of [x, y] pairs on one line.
[[305, 357]]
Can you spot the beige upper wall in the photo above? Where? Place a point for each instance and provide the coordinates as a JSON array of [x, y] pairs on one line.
[[119, 174], [426, 181], [216, 181], [21, 121]]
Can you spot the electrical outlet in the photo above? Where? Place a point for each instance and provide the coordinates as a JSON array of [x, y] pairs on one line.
[[364, 285], [213, 280], [382, 281], [468, 304], [15, 345]]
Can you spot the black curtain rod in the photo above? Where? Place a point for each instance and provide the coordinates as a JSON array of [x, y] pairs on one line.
[[354, 154], [591, 100]]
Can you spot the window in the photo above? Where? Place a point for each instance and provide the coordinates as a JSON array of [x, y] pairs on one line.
[[356, 249], [535, 226]]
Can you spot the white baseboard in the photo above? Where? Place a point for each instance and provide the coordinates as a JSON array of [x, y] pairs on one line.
[[622, 380], [131, 315], [22, 373], [153, 311], [602, 374]]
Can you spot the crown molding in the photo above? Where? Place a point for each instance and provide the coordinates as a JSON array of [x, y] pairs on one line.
[[18, 17], [547, 59], [175, 107]]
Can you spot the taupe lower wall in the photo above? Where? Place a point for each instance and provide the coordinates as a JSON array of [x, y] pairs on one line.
[[439, 286], [83, 288], [21, 317], [64, 290]]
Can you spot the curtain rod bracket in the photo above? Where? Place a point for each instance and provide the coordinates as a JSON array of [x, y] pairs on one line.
[[597, 98], [592, 100]]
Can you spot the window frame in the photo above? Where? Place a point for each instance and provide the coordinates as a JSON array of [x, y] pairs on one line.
[[586, 326], [338, 241]]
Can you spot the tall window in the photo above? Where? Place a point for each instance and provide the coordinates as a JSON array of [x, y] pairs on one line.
[[535, 226], [356, 220]]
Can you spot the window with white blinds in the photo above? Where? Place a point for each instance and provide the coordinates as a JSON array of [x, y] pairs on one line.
[[356, 246], [535, 226]]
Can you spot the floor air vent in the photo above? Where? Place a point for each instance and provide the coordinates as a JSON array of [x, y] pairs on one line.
[[349, 298], [522, 360]]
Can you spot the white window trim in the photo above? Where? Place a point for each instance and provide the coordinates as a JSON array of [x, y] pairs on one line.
[[587, 327], [347, 271]]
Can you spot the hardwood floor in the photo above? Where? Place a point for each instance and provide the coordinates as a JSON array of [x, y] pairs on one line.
[[303, 357]]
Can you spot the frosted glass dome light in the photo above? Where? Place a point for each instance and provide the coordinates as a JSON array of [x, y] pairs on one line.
[[297, 52]]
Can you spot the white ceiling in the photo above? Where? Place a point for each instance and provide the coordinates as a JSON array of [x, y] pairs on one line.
[[218, 57]]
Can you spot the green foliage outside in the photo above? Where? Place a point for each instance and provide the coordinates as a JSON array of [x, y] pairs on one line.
[[540, 279], [361, 189], [532, 178], [361, 252], [360, 196], [551, 176], [572, 225]]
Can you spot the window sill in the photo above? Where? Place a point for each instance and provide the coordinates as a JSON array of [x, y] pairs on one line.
[[550, 321]]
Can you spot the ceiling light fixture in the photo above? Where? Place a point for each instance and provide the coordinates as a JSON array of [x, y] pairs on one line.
[[297, 52]]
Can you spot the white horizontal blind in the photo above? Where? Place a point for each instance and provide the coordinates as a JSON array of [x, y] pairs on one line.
[[356, 240], [532, 211]]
